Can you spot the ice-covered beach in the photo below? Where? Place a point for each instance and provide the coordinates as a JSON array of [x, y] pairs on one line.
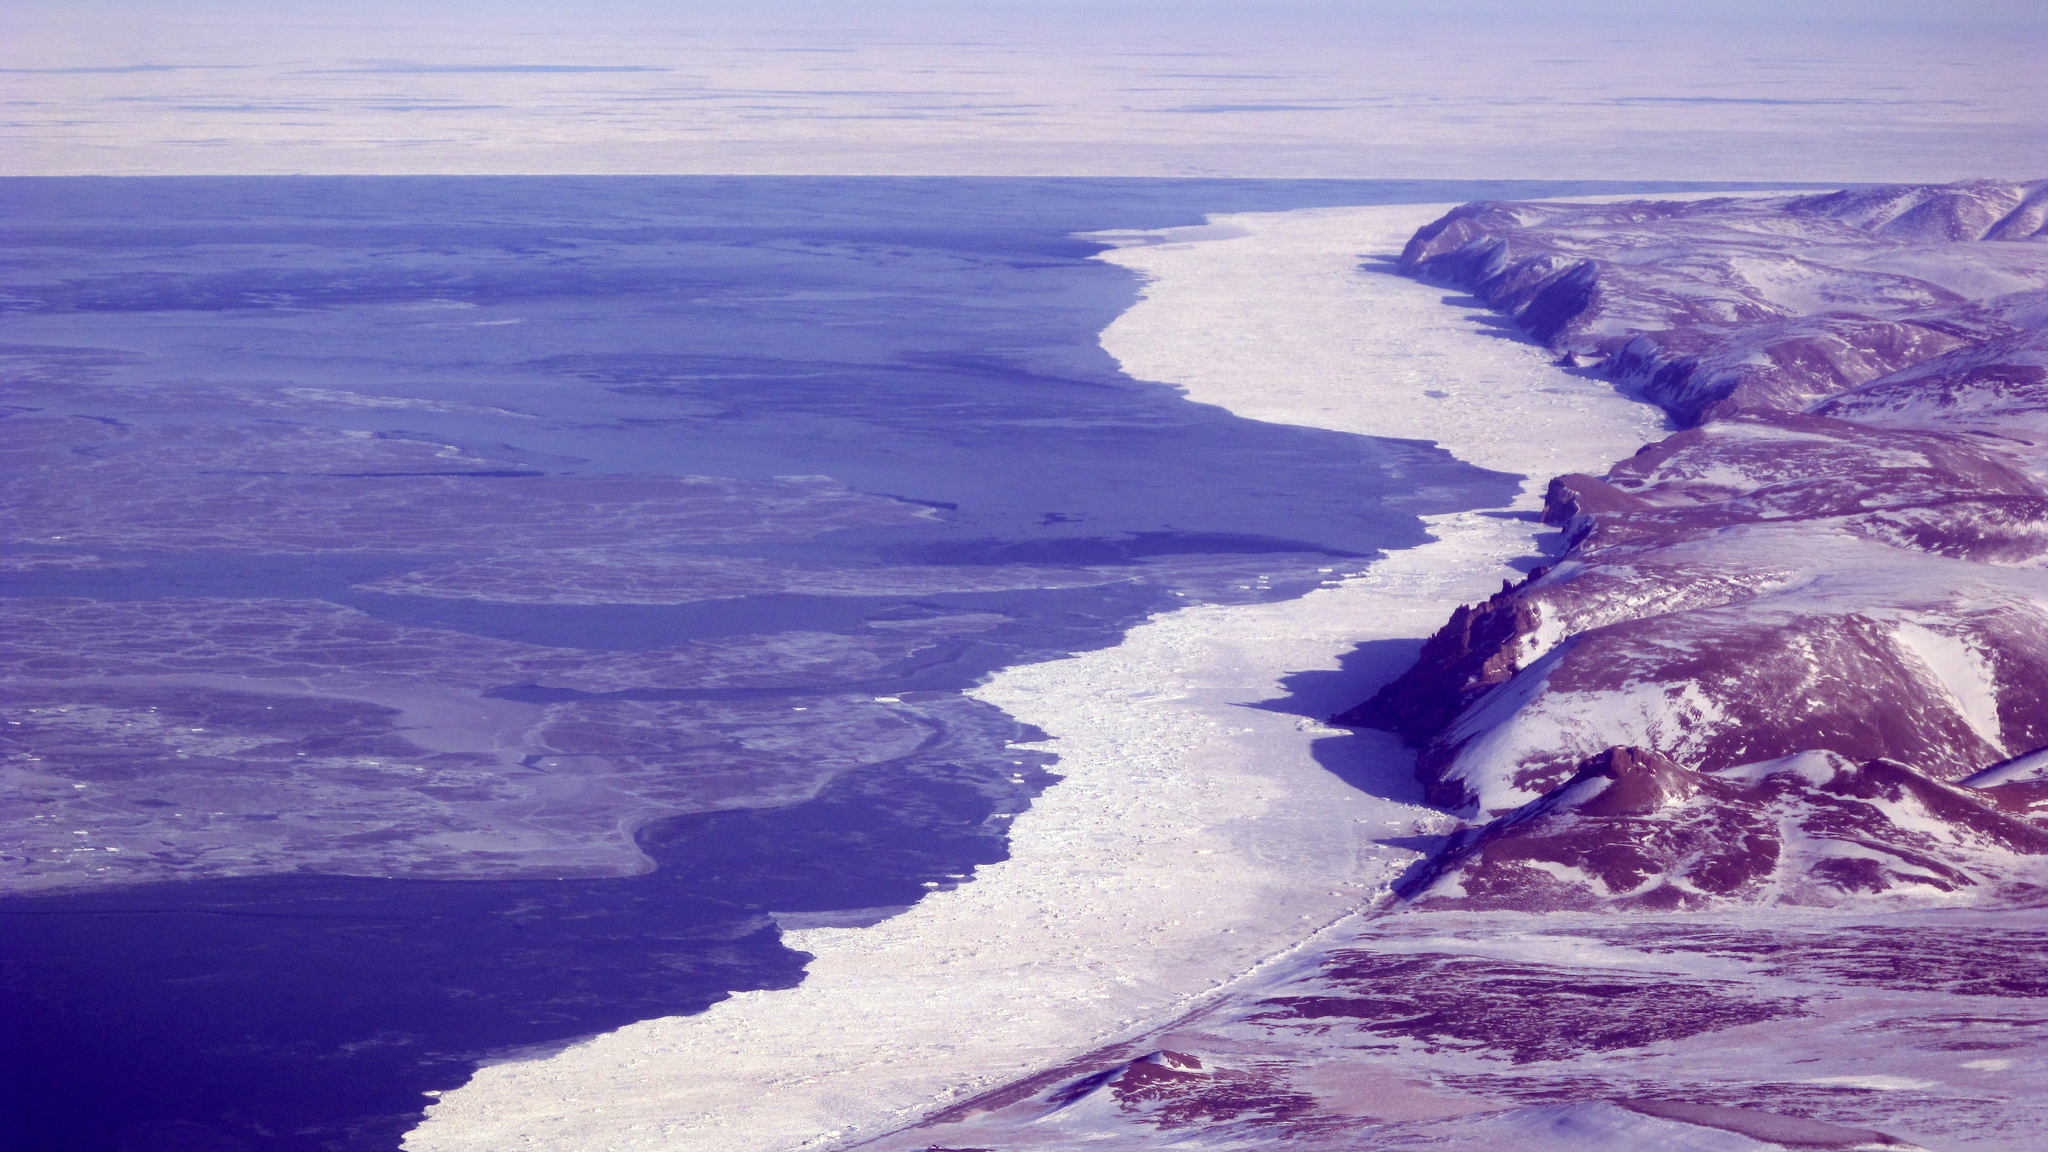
[[1194, 837]]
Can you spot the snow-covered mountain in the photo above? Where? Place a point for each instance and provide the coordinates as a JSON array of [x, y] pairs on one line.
[[1778, 647], [1710, 307]]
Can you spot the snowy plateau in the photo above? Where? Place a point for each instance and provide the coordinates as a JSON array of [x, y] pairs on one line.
[[1751, 775]]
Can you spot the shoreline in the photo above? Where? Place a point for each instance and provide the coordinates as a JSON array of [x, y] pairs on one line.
[[1210, 835]]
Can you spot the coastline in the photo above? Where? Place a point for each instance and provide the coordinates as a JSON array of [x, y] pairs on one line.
[[1200, 837]]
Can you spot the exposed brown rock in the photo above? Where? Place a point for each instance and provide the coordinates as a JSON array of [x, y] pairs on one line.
[[1577, 494], [1632, 830], [1473, 652]]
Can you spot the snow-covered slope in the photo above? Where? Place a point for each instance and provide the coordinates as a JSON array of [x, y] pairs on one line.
[[1713, 306]]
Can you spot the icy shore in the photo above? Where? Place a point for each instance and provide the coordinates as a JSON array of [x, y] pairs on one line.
[[1768, 893], [1194, 839]]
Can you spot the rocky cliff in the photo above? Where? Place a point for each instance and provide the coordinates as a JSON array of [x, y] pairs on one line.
[[1798, 633]]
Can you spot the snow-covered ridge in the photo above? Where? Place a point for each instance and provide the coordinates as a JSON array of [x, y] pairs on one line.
[[1709, 307], [1843, 557]]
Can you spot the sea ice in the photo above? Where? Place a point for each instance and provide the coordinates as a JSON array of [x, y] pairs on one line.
[[1193, 839]]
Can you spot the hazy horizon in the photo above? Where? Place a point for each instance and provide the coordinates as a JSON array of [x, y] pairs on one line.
[[1282, 88]]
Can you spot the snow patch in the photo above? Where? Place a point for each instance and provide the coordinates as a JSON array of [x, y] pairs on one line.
[[1962, 671]]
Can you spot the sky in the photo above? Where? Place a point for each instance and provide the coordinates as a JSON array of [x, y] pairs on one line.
[[1685, 89]]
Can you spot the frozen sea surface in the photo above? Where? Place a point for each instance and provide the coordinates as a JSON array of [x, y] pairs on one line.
[[449, 616]]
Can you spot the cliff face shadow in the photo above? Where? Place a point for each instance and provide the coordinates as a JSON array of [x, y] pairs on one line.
[[1376, 763], [1322, 693], [1487, 322]]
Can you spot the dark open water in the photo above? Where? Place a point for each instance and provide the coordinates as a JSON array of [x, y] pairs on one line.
[[926, 338]]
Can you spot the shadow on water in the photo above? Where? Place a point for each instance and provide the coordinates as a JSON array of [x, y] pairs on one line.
[[310, 1013]]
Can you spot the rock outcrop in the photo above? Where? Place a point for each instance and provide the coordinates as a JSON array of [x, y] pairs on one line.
[[1632, 830]]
